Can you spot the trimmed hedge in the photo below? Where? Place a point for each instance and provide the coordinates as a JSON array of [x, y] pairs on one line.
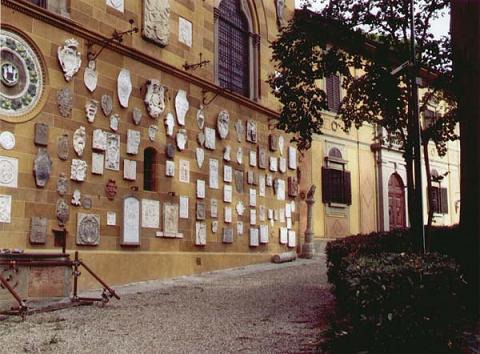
[[399, 303]]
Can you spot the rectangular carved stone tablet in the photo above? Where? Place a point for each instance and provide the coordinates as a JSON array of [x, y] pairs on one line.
[[38, 232]]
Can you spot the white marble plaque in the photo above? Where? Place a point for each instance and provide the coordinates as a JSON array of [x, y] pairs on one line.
[[239, 228], [78, 170], [252, 197], [252, 158], [169, 168], [214, 226], [213, 208], [150, 213], [281, 144], [183, 207], [185, 31], [170, 220], [227, 213], [184, 171], [288, 210], [124, 87], [261, 185], [116, 4], [133, 141], [253, 216], [269, 180], [289, 223], [279, 186], [273, 164], [283, 235], [111, 218], [254, 239], [99, 140], [181, 106], [156, 21], [262, 213], [282, 164], [227, 193], [270, 214], [129, 170], [293, 206], [131, 221], [292, 158], [200, 189], [281, 215], [8, 172], [292, 238], [5, 208], [213, 174], [112, 157], [264, 234], [227, 173], [210, 137], [200, 155], [200, 233], [97, 163]]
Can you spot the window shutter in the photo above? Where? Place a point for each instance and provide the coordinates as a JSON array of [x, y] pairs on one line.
[[326, 185], [444, 199], [347, 188], [333, 92]]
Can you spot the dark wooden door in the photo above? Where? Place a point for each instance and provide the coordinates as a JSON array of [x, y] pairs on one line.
[[396, 202]]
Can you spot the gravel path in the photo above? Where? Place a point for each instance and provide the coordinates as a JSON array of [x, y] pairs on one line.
[[255, 309]]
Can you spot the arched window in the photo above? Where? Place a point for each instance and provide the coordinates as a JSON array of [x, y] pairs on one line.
[[236, 48], [149, 161]]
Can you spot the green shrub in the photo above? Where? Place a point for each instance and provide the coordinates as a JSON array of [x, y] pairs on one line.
[[399, 303]]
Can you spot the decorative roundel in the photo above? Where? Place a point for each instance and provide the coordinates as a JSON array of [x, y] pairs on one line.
[[22, 77]]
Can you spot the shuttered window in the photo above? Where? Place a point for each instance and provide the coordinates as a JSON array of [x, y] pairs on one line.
[[233, 48], [333, 93], [440, 200], [336, 186]]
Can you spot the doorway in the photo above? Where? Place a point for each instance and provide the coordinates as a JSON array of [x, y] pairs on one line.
[[396, 202]]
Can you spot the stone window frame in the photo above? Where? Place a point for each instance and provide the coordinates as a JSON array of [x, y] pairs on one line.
[[59, 7], [248, 9], [335, 164]]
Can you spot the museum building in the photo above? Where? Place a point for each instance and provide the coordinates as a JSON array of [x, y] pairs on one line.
[[145, 130]]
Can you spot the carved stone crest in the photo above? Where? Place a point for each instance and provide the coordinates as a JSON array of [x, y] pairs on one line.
[[114, 122], [152, 132], [69, 58], [107, 104], [223, 120], [227, 151], [240, 130], [111, 189], [201, 139], [79, 140], [124, 87], [156, 21], [240, 208], [88, 229], [65, 102], [62, 212], [181, 106], [200, 118], [251, 131], [62, 184], [90, 76], [137, 115], [169, 124], [38, 230], [76, 196], [154, 98], [62, 147], [91, 108], [200, 155], [42, 167], [239, 155], [112, 155], [78, 170], [181, 139]]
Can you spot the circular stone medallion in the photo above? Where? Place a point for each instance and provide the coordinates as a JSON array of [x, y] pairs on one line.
[[7, 140], [22, 77]]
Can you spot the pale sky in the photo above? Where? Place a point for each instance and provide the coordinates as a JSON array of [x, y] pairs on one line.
[[440, 27]]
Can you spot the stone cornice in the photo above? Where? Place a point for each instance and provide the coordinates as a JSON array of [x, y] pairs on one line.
[[77, 29]]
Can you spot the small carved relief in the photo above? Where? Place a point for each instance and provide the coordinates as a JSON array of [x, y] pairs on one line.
[[214, 226], [86, 202], [76, 196], [152, 132], [38, 230], [99, 141], [240, 208], [227, 152], [292, 187], [262, 158], [62, 184], [169, 168], [129, 170], [91, 108], [111, 189], [185, 31], [62, 147], [156, 21], [201, 139], [210, 138], [154, 98], [65, 102], [62, 212], [200, 155], [213, 174], [239, 155], [114, 122], [79, 141], [88, 229], [213, 208], [124, 87], [41, 134], [133, 141], [107, 104], [223, 121], [112, 156], [240, 130], [69, 58], [200, 118], [137, 115], [181, 106], [227, 173], [239, 181], [90, 76], [200, 234], [42, 167], [98, 161], [273, 142], [170, 219], [169, 124], [200, 210], [252, 131], [78, 170], [181, 139], [8, 172], [116, 4]]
